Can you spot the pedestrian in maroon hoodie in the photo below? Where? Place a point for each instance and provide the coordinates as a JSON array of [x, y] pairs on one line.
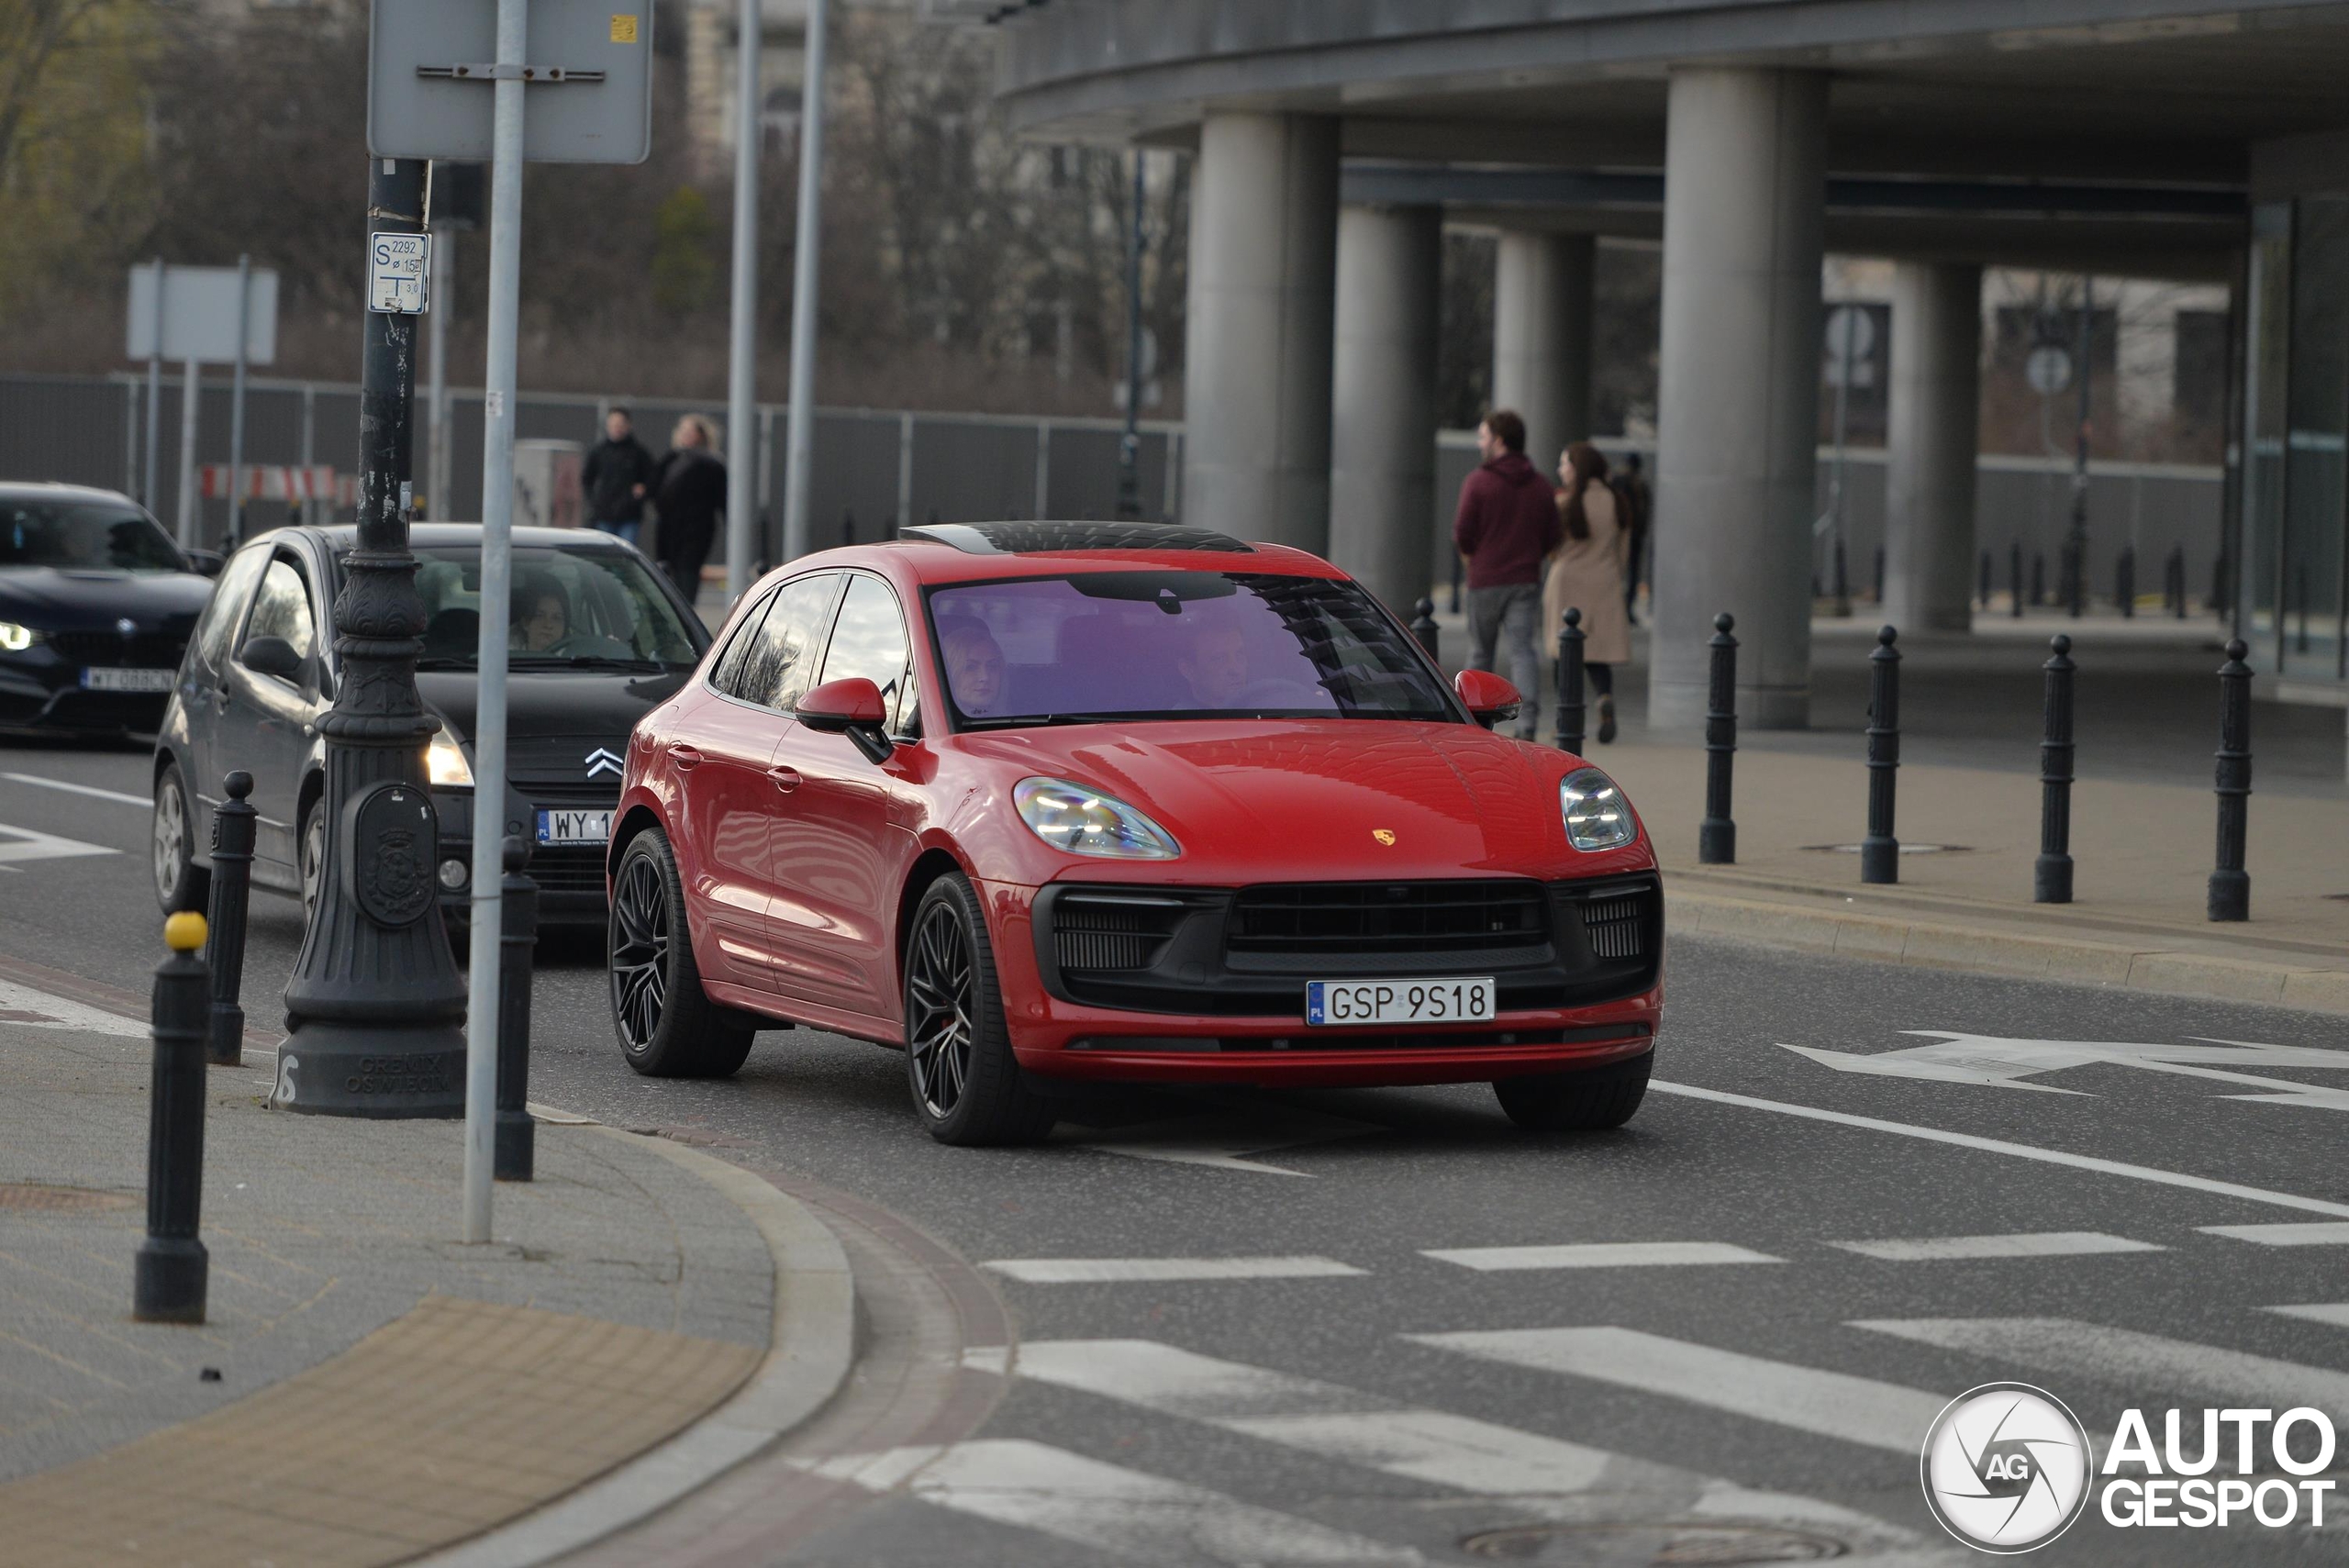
[[1505, 525]]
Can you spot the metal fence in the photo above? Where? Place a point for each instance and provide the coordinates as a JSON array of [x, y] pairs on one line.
[[880, 468]]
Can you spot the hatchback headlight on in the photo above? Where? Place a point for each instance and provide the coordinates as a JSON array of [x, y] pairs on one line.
[[1597, 817], [1087, 822], [444, 760], [15, 639]]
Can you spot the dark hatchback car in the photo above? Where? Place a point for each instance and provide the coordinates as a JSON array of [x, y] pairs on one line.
[[96, 603], [599, 637]]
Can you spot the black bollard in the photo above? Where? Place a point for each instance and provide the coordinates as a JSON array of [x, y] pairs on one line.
[[1880, 852], [2230, 883], [2039, 577], [2300, 596], [2051, 875], [1458, 571], [1879, 575], [169, 1276], [1985, 596], [1842, 583], [1571, 706], [2125, 582], [2218, 605], [2174, 582], [1424, 627], [517, 935], [1717, 834], [2014, 578], [233, 826]]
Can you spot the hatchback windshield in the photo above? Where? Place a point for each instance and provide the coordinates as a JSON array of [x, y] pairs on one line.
[[568, 608], [1160, 645], [87, 536]]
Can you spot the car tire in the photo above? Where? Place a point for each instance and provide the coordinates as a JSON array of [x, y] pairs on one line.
[[179, 883], [1588, 1100], [968, 1089], [668, 1027], [310, 855]]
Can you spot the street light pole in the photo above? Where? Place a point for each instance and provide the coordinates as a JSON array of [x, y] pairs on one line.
[[801, 419], [237, 406], [2080, 459], [441, 304], [742, 450], [1129, 445], [374, 1002]]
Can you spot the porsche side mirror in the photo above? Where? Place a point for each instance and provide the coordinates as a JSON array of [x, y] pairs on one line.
[[853, 707], [1489, 699], [271, 656]]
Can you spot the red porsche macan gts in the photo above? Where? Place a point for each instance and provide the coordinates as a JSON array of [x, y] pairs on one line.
[[1039, 802]]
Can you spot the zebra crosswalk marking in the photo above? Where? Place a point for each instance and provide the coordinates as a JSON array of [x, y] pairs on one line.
[[2173, 1368], [1109, 1508], [1829, 1404], [1599, 1255], [2027, 1244], [1115, 1271]]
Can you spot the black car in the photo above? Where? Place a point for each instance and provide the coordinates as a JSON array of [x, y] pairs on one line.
[[96, 603], [599, 635]]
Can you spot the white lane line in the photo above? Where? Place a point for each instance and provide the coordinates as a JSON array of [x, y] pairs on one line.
[[2147, 1363], [1115, 1271], [29, 845], [1106, 1509], [2024, 1244], [2317, 1234], [2015, 1150], [1829, 1404], [2333, 1312], [28, 1008], [1598, 1255], [91, 789]]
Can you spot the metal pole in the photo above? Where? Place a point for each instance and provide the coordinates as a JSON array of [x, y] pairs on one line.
[[801, 418], [309, 440], [170, 1273], [1717, 834], [2051, 875], [741, 375], [2079, 542], [2014, 577], [234, 827], [1570, 678], [237, 404], [155, 392], [904, 470], [496, 585], [2230, 892], [191, 393], [1835, 483], [1044, 468], [1130, 444], [439, 463], [1880, 852]]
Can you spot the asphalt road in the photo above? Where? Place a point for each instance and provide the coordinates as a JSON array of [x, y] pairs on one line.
[[1718, 1369]]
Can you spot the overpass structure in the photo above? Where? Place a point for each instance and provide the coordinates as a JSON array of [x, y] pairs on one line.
[[1335, 138]]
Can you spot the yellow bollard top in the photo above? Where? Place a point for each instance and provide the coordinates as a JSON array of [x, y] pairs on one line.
[[185, 931]]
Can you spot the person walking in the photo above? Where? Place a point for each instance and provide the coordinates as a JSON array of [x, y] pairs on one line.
[[689, 492], [1587, 573], [616, 476], [1507, 523], [1635, 505]]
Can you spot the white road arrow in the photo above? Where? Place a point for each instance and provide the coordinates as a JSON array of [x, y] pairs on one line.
[[29, 845], [1993, 1060]]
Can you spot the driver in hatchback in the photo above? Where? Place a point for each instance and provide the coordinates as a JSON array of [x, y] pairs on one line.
[[542, 619]]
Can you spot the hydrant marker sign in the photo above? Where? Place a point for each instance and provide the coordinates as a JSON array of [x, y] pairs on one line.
[[396, 267]]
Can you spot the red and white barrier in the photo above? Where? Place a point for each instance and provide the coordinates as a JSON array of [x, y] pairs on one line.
[[276, 482]]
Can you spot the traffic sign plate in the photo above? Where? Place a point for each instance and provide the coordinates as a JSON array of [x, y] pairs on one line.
[[587, 79], [2049, 368], [396, 267]]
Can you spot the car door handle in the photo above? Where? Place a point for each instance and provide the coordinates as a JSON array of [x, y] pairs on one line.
[[684, 756], [786, 779]]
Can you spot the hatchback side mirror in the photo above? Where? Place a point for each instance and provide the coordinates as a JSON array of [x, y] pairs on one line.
[[1489, 699], [853, 707], [271, 656]]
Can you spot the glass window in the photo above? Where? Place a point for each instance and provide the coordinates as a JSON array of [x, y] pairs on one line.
[[726, 676], [84, 536], [568, 608], [869, 639], [226, 607], [284, 609], [775, 668], [1156, 644]]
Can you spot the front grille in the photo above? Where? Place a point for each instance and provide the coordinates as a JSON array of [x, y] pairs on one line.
[[1388, 918], [1617, 922], [567, 868], [1112, 931], [107, 649]]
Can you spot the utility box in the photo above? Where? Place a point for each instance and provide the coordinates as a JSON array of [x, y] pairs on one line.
[[546, 485]]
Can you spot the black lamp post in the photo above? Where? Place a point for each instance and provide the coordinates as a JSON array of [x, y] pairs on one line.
[[376, 1009]]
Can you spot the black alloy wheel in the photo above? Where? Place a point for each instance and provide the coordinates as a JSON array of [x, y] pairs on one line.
[[179, 883], [667, 1027], [967, 1086]]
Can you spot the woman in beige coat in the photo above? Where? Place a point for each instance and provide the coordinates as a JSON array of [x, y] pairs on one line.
[[1587, 573]]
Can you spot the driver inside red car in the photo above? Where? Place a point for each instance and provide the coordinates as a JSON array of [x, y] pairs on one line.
[[1215, 666], [973, 664]]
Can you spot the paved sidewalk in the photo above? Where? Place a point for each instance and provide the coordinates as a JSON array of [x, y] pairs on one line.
[[365, 1389]]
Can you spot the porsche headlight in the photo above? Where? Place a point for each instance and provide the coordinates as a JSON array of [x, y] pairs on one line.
[[15, 639], [444, 760], [1597, 817], [1087, 822]]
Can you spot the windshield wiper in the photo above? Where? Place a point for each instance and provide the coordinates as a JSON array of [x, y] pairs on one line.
[[582, 662], [1046, 721]]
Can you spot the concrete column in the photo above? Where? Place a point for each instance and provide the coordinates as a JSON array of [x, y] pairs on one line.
[[1929, 563], [1541, 338], [1383, 419], [1262, 283], [1744, 197]]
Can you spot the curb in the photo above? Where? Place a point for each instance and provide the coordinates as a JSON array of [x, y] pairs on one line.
[[807, 1359], [1884, 939]]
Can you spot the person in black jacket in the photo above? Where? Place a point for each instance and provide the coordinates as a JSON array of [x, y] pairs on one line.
[[689, 490], [617, 475]]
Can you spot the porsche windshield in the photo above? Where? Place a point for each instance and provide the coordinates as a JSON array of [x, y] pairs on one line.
[[1164, 645], [569, 608]]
